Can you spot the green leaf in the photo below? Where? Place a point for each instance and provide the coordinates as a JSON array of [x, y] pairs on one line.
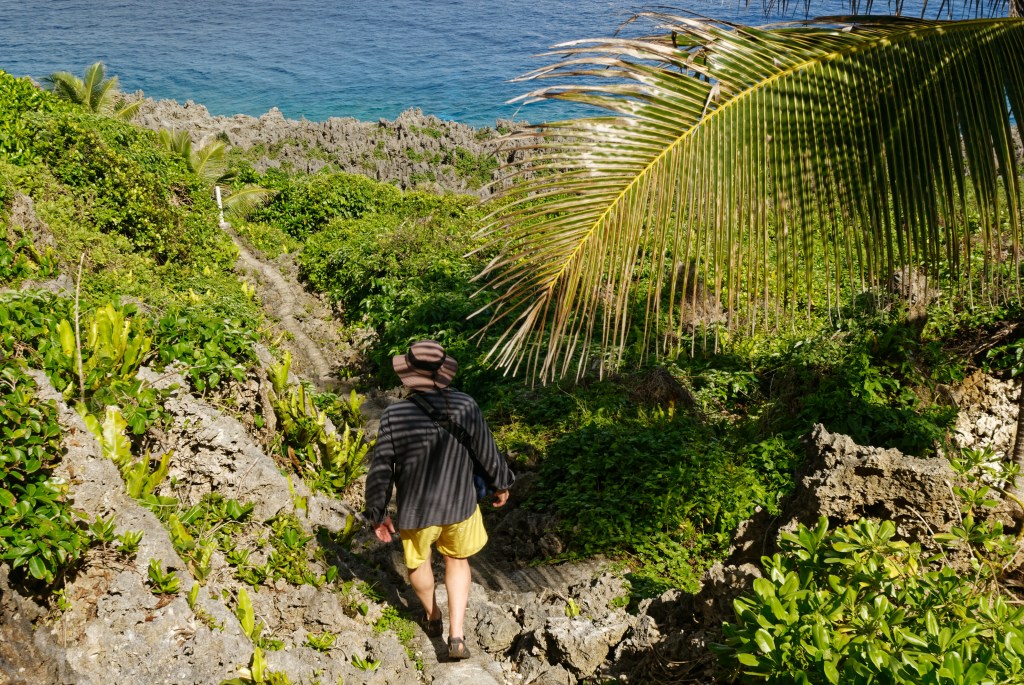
[[976, 673], [37, 568], [876, 655], [819, 636], [831, 672], [67, 338], [245, 613], [6, 498], [764, 641], [627, 192]]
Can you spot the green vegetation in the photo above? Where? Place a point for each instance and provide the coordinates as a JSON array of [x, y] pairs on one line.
[[94, 91], [477, 170], [161, 582], [330, 461], [404, 628], [257, 673], [620, 238], [19, 258], [307, 204], [856, 606], [38, 531], [401, 272], [654, 467], [210, 163]]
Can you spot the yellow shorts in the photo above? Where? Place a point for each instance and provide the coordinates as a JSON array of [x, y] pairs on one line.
[[457, 540]]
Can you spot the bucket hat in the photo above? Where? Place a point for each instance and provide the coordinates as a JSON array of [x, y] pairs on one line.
[[425, 366]]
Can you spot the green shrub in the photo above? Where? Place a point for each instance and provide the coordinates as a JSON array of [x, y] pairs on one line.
[[19, 258], [869, 379], [658, 488], [38, 533], [212, 348], [113, 345], [121, 181], [19, 101], [306, 204], [856, 606], [130, 187], [29, 321], [476, 170], [405, 275]]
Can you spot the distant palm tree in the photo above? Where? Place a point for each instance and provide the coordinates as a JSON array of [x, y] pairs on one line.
[[94, 92], [210, 164], [782, 169]]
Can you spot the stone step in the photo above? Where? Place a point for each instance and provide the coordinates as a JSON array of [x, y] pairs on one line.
[[479, 669]]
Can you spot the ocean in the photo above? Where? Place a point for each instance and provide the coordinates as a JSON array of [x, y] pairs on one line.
[[317, 58]]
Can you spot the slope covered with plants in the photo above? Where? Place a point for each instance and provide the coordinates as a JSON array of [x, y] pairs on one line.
[[115, 277]]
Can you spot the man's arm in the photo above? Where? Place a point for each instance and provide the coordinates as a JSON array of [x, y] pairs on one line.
[[499, 475], [381, 476]]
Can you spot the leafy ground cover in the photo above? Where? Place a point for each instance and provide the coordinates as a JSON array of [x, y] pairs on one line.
[[39, 534]]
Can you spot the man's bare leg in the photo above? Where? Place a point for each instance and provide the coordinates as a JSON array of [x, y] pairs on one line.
[[457, 579], [422, 580]]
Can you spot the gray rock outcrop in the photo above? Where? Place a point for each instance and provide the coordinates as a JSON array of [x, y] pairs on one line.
[[414, 150]]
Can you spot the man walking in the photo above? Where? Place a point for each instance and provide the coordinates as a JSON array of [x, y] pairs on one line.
[[428, 449]]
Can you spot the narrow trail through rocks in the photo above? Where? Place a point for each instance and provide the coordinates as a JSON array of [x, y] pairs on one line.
[[285, 305]]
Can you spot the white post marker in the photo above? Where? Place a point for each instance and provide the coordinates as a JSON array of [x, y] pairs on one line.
[[220, 205]]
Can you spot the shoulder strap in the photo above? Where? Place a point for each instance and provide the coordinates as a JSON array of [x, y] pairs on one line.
[[445, 422]]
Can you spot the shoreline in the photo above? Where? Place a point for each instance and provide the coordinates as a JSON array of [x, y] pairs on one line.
[[414, 150]]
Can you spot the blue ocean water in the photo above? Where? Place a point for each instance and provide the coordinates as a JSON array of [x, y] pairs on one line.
[[322, 58]]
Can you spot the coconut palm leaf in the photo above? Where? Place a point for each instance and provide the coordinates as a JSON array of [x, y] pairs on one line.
[[66, 86], [94, 91], [777, 169], [242, 201], [99, 90], [125, 110], [210, 163], [176, 142]]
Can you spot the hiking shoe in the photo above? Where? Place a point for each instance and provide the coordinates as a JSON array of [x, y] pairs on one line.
[[457, 649], [432, 627]]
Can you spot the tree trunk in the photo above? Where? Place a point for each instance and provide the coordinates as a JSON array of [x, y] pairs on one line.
[[1016, 8]]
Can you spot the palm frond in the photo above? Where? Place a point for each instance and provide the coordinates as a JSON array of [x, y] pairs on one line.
[[777, 169], [94, 91], [242, 201], [210, 163], [66, 86], [178, 143], [126, 111], [99, 90]]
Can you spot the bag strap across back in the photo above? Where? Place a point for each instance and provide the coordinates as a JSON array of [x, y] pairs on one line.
[[446, 422]]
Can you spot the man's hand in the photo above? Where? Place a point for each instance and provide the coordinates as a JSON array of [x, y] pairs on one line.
[[386, 529], [500, 497]]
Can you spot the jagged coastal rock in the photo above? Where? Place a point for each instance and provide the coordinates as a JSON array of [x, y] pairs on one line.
[[414, 150]]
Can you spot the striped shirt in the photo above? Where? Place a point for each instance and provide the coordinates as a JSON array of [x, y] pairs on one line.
[[435, 485]]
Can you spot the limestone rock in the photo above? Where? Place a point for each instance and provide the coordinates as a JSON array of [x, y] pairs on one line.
[[845, 481], [414, 150], [582, 644], [988, 412]]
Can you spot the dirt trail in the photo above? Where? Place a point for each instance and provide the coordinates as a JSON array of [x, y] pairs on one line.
[[285, 301]]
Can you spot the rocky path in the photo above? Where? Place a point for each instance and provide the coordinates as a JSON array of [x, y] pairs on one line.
[[286, 301]]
